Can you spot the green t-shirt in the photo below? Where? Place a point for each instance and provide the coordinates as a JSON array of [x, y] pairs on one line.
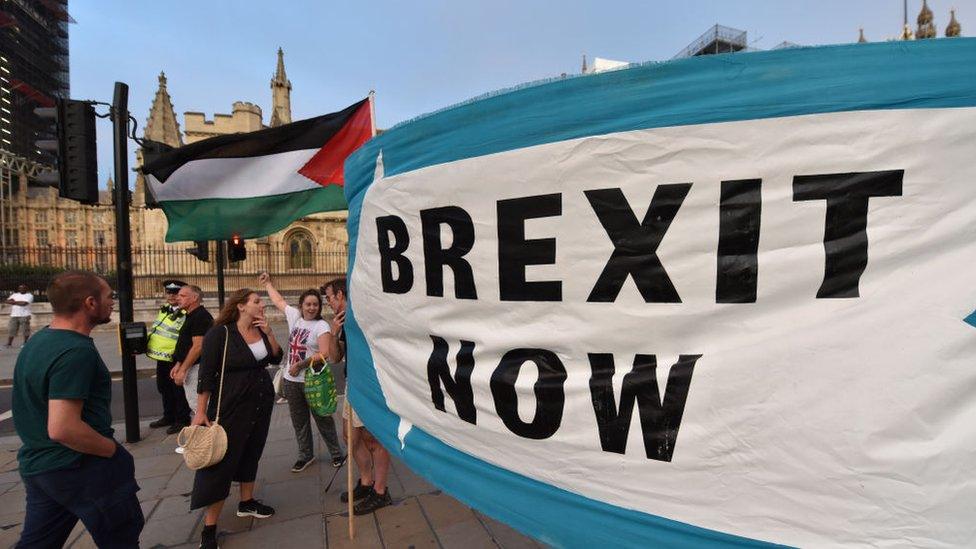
[[57, 364]]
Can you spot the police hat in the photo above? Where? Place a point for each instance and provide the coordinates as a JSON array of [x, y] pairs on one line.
[[173, 286]]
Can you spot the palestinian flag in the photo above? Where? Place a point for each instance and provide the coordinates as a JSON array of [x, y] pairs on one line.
[[255, 184]]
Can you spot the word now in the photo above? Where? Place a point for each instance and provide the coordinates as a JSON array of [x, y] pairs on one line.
[[636, 242], [660, 420]]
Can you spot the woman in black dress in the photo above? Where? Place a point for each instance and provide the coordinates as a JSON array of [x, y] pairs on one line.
[[245, 406]]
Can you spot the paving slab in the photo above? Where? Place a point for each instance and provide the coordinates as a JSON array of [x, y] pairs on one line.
[[11, 525], [15, 500], [156, 466], [181, 483], [505, 536], [367, 533], [305, 532], [403, 524], [151, 488], [454, 524], [292, 499]]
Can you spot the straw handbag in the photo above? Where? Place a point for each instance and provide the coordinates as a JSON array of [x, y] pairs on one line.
[[205, 446]]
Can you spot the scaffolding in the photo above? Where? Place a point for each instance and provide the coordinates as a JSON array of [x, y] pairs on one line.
[[12, 169], [717, 39]]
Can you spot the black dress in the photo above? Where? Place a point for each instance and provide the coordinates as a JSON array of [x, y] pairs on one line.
[[245, 411]]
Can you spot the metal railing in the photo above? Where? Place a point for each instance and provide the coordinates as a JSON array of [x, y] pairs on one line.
[[36, 266]]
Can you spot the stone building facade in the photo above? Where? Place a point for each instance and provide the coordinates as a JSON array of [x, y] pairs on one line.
[[41, 219]]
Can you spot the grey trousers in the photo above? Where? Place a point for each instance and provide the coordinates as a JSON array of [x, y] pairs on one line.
[[298, 406]]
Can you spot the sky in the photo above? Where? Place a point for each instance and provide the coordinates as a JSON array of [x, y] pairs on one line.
[[418, 56]]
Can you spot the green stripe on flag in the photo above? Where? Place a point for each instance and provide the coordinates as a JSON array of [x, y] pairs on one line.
[[221, 218]]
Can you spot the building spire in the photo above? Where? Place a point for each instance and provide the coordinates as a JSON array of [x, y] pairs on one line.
[[584, 64], [280, 94], [860, 38], [279, 76], [954, 28], [162, 125]]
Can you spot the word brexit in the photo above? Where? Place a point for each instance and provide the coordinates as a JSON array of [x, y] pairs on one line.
[[636, 241]]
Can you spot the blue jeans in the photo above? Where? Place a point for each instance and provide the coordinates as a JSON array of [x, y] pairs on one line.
[[99, 491]]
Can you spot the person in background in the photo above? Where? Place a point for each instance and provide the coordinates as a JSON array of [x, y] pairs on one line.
[[308, 337], [190, 342], [20, 314], [246, 399], [62, 394], [163, 335], [372, 459]]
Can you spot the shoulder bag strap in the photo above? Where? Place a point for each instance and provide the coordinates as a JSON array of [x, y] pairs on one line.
[[223, 362]]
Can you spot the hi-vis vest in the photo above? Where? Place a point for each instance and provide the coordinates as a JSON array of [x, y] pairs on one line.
[[164, 332]]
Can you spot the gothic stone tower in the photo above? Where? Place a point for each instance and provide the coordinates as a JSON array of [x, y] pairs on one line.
[[280, 94]]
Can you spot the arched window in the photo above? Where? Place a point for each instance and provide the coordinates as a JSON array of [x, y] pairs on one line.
[[299, 246]]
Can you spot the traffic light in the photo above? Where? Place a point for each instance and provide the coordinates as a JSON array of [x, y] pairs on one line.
[[201, 251], [74, 148], [235, 249]]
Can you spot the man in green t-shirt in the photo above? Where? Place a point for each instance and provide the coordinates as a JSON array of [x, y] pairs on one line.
[[72, 467]]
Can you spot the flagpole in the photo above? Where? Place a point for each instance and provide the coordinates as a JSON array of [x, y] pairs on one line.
[[372, 110], [347, 411]]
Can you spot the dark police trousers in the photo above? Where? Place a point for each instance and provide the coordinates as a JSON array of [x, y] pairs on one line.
[[99, 491]]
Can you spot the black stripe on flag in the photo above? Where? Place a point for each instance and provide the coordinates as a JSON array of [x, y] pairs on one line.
[[312, 133]]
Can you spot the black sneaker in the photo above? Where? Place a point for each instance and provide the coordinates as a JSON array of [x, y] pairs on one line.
[[161, 422], [254, 508], [338, 461], [372, 502], [358, 493], [175, 428], [208, 539], [301, 464]]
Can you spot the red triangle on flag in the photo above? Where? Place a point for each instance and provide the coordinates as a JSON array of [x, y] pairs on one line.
[[325, 168]]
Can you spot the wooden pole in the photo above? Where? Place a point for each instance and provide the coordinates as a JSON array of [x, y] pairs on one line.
[[349, 460]]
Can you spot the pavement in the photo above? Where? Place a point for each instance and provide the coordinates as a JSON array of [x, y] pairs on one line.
[[309, 513]]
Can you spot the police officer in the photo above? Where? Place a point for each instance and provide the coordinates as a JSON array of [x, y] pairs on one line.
[[162, 343]]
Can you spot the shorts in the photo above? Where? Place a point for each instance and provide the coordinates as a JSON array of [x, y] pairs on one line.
[[16, 322], [346, 410]]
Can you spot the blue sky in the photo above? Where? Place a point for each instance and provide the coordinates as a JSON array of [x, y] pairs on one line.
[[419, 56]]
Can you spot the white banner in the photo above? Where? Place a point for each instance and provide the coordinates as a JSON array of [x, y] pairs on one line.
[[785, 390]]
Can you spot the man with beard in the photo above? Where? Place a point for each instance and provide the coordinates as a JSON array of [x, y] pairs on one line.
[[72, 467]]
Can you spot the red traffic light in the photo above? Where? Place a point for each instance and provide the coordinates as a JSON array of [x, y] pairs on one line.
[[235, 249]]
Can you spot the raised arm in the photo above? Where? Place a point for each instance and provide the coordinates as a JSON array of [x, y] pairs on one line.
[[264, 279]]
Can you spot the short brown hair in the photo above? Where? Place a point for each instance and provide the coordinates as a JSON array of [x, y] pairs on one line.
[[337, 285], [68, 291]]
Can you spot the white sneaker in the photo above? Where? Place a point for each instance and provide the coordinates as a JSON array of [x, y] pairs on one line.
[[179, 450]]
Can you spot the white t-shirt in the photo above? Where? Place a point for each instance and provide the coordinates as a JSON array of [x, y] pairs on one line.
[[21, 310], [303, 340]]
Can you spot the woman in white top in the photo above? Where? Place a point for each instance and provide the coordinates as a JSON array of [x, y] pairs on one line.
[[307, 337]]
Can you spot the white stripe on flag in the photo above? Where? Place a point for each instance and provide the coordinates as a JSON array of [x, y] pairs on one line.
[[236, 177]]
